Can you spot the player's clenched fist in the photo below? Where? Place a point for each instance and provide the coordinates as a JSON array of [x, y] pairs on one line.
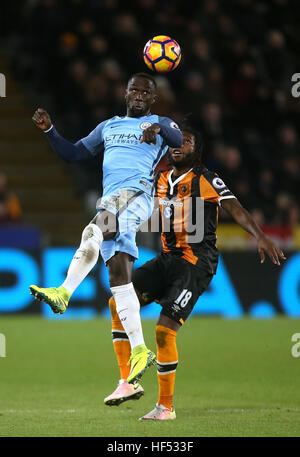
[[42, 119], [149, 134]]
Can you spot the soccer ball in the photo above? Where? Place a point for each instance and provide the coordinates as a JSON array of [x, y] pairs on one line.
[[162, 54]]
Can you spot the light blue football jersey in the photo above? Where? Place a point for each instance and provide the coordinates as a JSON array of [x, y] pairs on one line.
[[127, 163]]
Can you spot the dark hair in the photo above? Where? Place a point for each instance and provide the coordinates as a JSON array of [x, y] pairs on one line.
[[197, 164], [190, 124], [143, 75]]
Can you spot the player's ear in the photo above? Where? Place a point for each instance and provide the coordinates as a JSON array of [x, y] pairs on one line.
[[154, 99]]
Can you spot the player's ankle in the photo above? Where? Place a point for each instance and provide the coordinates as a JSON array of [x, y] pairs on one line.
[[166, 401], [140, 348], [65, 291]]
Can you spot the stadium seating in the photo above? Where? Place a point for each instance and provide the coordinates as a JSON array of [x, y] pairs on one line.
[[34, 173]]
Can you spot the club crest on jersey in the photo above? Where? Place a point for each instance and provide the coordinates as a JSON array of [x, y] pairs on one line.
[[145, 125], [184, 190], [174, 125], [218, 183]]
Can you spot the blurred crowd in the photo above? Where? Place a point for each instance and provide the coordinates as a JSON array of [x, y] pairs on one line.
[[235, 77], [10, 207]]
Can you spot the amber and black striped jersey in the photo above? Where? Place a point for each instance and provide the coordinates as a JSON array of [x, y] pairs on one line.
[[188, 223]]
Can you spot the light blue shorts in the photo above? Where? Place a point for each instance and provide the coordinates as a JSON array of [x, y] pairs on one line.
[[132, 207]]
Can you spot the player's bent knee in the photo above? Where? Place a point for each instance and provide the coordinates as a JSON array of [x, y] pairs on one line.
[[90, 242], [92, 232]]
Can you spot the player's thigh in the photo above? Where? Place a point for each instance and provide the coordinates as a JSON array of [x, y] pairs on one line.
[[131, 208], [107, 222], [121, 211], [137, 210], [148, 281], [185, 285]]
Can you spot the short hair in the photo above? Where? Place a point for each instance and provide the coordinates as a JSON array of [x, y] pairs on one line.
[[143, 75]]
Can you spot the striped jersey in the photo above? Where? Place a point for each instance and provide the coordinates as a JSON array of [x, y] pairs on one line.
[[188, 207]]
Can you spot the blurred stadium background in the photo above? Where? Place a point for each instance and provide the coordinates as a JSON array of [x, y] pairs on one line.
[[73, 58]]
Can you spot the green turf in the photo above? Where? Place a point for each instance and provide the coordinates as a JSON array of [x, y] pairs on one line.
[[234, 378]]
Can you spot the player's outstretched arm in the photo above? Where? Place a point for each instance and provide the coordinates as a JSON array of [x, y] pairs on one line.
[[67, 150], [264, 244]]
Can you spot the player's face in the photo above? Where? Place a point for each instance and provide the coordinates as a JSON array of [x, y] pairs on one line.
[[184, 156], [140, 95]]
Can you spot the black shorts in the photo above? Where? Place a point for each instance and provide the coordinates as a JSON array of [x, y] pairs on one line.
[[173, 282]]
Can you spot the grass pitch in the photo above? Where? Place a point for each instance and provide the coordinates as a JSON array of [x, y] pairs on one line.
[[234, 378]]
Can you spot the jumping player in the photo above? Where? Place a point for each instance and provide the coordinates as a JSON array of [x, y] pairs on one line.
[[133, 145], [183, 270]]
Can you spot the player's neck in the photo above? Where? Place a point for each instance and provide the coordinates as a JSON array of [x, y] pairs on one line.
[[133, 114], [180, 171]]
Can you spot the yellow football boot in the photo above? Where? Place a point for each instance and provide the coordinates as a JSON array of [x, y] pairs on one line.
[[141, 358]]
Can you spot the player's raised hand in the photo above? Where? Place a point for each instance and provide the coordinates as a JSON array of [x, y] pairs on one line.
[[265, 245], [42, 119], [149, 134]]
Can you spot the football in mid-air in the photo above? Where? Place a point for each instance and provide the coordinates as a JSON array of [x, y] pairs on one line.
[[162, 54]]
